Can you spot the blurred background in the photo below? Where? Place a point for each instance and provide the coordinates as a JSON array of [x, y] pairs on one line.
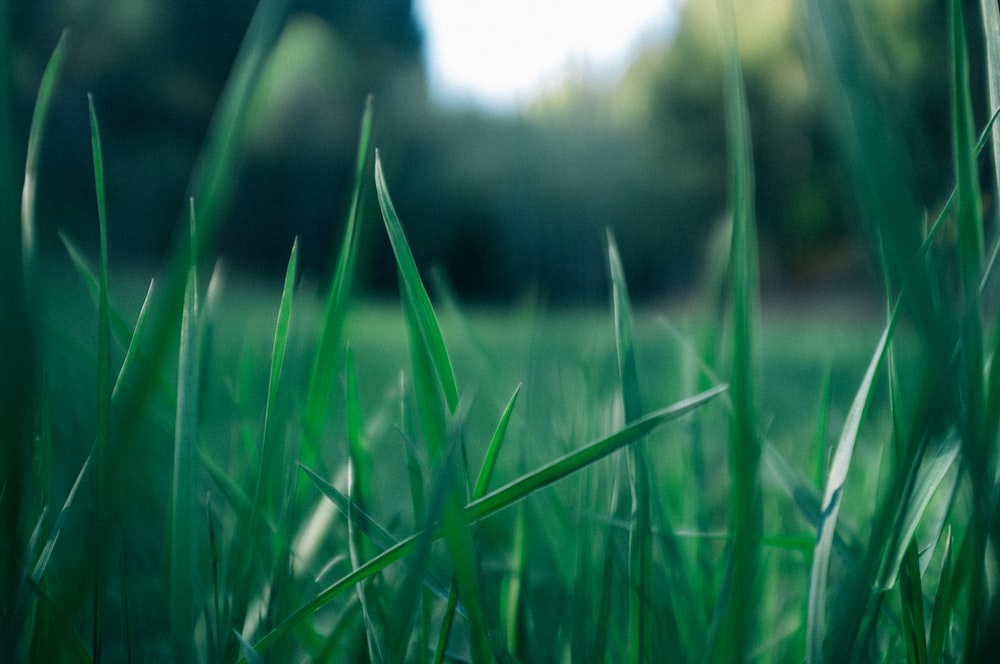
[[506, 187]]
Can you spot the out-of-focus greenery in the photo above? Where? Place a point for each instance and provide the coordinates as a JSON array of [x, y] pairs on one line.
[[504, 203]]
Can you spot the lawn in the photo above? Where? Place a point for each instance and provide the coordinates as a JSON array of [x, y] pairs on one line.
[[217, 469]]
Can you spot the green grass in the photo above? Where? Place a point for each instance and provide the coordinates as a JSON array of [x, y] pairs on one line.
[[218, 470]]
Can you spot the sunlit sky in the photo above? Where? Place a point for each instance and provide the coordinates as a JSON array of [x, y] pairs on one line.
[[499, 53]]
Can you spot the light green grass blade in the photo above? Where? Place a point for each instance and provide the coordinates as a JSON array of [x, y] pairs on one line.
[[324, 369], [413, 291], [739, 606], [640, 549], [267, 470], [933, 469], [43, 102], [184, 586], [482, 483], [512, 591], [832, 495], [498, 500], [493, 451], [281, 329], [519, 489]]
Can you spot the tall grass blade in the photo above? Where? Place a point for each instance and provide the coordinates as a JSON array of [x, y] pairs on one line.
[[436, 394], [832, 495], [183, 569], [107, 495], [978, 450], [414, 292], [324, 368], [739, 606], [640, 549], [496, 501], [267, 462]]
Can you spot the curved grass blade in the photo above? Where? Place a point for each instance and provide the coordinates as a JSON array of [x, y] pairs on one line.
[[43, 102], [495, 501], [833, 492], [933, 469], [414, 292]]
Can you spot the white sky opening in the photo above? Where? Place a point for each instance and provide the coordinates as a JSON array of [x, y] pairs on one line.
[[501, 54]]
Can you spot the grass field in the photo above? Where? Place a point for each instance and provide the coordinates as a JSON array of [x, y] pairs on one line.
[[218, 470]]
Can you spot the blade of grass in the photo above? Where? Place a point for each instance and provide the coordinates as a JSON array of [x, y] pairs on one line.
[[29, 222], [832, 495], [978, 450], [911, 597], [943, 602], [415, 292], [498, 500], [493, 451], [183, 570], [640, 551], [485, 474], [266, 466], [434, 382], [932, 471], [738, 622], [106, 494]]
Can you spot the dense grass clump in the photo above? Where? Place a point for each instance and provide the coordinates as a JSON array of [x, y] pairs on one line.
[[211, 473]]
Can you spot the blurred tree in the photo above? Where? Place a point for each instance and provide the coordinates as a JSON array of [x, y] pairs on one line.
[[503, 203], [157, 68], [804, 212]]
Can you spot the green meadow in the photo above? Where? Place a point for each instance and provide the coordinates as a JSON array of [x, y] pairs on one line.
[[203, 466]]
